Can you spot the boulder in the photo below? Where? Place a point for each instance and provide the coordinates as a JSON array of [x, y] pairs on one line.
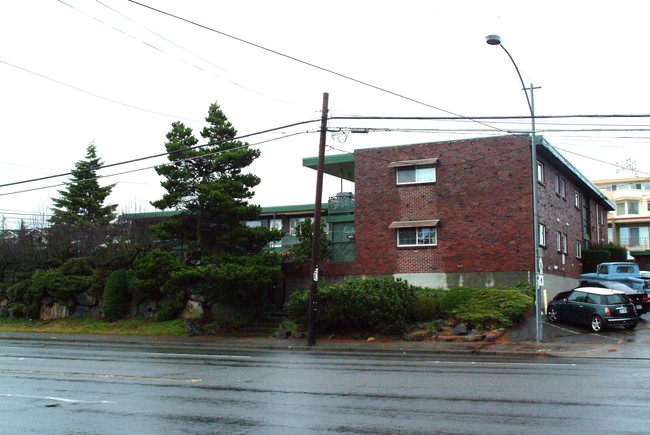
[[86, 299], [54, 312], [193, 328], [147, 309], [192, 310], [460, 329], [83, 311]]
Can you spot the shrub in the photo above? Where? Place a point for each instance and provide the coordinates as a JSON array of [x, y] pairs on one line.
[[452, 298], [152, 271], [493, 308], [58, 285], [116, 296], [375, 305], [425, 308]]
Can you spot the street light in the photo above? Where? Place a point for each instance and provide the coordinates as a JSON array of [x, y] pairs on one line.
[[537, 266]]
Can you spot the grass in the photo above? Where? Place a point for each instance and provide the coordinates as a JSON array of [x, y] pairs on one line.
[[132, 326]]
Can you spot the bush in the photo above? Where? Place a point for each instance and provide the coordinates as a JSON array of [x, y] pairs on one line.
[[378, 305], [493, 308], [60, 286], [152, 271], [454, 297], [426, 308], [237, 281], [116, 296]]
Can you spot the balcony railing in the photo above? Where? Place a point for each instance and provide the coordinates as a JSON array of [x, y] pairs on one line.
[[342, 203], [634, 242]]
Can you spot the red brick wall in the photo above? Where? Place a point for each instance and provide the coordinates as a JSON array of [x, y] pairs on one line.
[[481, 196]]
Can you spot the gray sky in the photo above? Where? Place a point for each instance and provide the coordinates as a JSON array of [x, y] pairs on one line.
[[119, 74]]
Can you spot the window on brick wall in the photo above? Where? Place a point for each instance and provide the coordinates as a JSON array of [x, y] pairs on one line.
[[576, 199], [542, 235], [416, 233], [420, 236], [540, 172], [578, 249], [415, 171], [416, 174], [558, 241]]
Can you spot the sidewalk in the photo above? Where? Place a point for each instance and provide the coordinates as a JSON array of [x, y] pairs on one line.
[[504, 349]]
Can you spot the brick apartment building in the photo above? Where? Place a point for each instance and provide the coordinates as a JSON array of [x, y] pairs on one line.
[[446, 214], [459, 213]]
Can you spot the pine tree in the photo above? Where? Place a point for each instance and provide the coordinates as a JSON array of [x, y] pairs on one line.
[[82, 202], [80, 220], [207, 184]]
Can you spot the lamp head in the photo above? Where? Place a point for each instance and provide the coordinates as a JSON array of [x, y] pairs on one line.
[[493, 39]]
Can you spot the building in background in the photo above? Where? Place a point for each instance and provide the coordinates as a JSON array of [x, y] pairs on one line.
[[629, 224]]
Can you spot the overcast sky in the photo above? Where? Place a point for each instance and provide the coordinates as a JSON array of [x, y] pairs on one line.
[[118, 73]]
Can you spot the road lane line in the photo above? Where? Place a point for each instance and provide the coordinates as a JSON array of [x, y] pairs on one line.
[[58, 399], [99, 375]]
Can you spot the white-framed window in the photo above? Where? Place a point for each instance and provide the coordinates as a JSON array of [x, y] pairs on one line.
[[558, 241], [416, 174], [293, 223], [542, 234], [627, 207], [540, 172], [275, 224], [564, 244], [578, 249], [576, 199], [562, 188], [417, 236]]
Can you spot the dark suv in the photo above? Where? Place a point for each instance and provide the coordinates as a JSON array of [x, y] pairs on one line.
[[597, 307]]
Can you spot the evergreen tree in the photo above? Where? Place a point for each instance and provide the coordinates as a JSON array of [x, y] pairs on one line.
[[80, 220], [82, 202], [208, 185]]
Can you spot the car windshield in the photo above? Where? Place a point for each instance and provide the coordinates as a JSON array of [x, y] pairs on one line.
[[616, 299]]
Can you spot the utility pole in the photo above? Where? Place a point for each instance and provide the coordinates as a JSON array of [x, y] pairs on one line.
[[315, 237]]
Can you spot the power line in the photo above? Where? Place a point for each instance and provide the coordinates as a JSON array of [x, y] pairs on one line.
[[151, 167], [49, 177], [312, 65], [163, 51], [93, 94]]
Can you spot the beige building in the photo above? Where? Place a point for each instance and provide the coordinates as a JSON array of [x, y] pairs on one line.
[[629, 224]]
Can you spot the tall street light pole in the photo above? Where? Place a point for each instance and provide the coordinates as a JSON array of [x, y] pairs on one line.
[[538, 270]]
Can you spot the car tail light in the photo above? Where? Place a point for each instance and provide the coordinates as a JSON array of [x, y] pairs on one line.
[[607, 312], [645, 298]]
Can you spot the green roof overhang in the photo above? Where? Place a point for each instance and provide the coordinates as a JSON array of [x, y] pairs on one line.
[[338, 165]]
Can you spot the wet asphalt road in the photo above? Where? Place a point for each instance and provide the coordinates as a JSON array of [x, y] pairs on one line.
[[165, 388]]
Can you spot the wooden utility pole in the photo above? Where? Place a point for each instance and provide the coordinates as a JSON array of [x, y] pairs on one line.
[[315, 237]]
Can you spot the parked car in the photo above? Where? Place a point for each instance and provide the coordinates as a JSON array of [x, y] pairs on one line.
[[597, 307], [639, 298]]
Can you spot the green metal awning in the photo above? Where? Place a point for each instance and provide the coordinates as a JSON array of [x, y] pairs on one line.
[[338, 165]]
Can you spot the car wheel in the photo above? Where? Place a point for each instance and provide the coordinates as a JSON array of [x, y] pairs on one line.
[[596, 324], [632, 326], [552, 314]]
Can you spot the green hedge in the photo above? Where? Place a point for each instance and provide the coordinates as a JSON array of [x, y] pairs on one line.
[[492, 308], [380, 305]]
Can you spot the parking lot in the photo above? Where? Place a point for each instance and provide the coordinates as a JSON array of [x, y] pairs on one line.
[[571, 333]]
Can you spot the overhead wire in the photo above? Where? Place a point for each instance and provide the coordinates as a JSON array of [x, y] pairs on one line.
[[312, 65], [154, 166], [166, 52]]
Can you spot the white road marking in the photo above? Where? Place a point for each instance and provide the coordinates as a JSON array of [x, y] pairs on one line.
[[58, 399]]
